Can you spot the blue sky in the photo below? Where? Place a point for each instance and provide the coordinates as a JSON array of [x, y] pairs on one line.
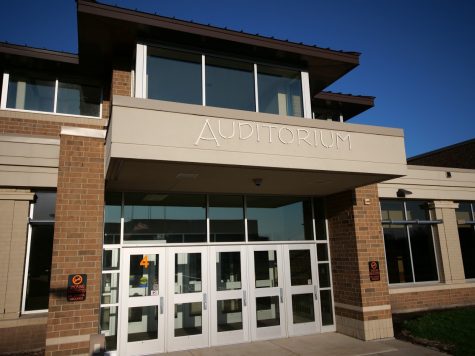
[[418, 56]]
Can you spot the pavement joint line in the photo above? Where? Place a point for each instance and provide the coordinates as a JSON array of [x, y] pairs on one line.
[[377, 352], [283, 347]]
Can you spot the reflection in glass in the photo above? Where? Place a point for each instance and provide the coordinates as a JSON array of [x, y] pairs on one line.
[[45, 204], [280, 91], [188, 319], [109, 318], [265, 269], [110, 288], [112, 215], [423, 254], [229, 315], [279, 218], [39, 267], [302, 308], [110, 259], [398, 258], [464, 213], [322, 252], [327, 309], [324, 275], [187, 273], [228, 270], [174, 76], [172, 218], [392, 210], [467, 246], [226, 215], [77, 99], [267, 311], [300, 267], [320, 222], [142, 323], [30, 93], [230, 84], [143, 278], [417, 210]]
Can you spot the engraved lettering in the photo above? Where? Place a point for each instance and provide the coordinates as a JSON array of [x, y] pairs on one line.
[[222, 135], [343, 139], [332, 134], [291, 134], [303, 137], [242, 124], [201, 137], [270, 127]]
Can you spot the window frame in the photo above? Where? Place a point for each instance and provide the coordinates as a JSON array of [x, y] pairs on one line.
[[31, 222], [140, 84], [407, 224], [4, 98], [471, 223]]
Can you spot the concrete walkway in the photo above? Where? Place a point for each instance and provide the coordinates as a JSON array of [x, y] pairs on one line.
[[321, 344]]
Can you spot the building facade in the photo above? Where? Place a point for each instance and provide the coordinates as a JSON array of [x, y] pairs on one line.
[[177, 185]]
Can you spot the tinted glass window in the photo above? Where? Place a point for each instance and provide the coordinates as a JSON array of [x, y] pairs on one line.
[[226, 214], [466, 237], [30, 94], [174, 76], [279, 218], [417, 210], [392, 210], [280, 91], [171, 218], [230, 84], [45, 204], [398, 258], [112, 215], [423, 255], [76, 99]]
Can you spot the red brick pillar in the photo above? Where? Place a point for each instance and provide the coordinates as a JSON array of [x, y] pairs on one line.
[[77, 242], [362, 306]]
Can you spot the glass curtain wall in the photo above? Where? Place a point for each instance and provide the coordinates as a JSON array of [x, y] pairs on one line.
[[30, 92], [175, 75], [466, 228], [409, 242]]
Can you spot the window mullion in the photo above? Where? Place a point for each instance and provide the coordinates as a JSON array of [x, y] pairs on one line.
[[55, 105], [203, 78], [256, 88], [3, 101]]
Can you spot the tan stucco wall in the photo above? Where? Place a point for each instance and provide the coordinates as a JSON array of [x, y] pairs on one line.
[[156, 130], [14, 207], [28, 161]]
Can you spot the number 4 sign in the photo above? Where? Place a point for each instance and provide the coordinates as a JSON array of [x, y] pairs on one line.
[[144, 262]]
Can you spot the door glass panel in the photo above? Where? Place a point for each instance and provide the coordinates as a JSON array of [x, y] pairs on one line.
[[265, 268], [143, 323], [188, 319], [326, 304], [300, 267], [110, 288], [143, 277], [324, 275], [187, 273], [322, 252], [267, 311], [302, 308], [229, 315], [228, 270]]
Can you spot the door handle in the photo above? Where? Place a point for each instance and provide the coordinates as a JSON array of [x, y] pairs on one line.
[[281, 292], [244, 298], [161, 305], [315, 292], [205, 301]]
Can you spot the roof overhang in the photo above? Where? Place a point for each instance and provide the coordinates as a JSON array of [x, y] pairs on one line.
[[348, 105], [108, 33]]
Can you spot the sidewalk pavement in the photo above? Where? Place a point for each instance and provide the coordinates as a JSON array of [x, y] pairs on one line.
[[327, 344]]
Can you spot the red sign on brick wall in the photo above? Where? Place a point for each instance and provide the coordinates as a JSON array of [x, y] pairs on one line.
[[76, 287], [374, 274]]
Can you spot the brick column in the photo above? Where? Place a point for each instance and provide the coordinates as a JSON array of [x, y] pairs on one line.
[[447, 237], [77, 240], [121, 82], [362, 307]]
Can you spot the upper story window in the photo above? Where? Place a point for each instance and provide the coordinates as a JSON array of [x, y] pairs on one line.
[[192, 78], [408, 241], [49, 94], [466, 228]]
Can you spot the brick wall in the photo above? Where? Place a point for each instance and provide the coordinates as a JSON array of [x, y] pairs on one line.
[[121, 82], [435, 299], [356, 238], [77, 244]]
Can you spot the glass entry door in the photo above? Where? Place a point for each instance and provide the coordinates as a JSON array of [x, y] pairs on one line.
[[188, 299], [229, 295], [266, 282], [301, 289], [142, 301]]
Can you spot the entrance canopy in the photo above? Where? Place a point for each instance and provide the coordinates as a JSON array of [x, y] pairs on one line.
[[163, 146]]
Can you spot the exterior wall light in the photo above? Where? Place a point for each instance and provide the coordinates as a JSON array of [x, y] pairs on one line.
[[401, 193]]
